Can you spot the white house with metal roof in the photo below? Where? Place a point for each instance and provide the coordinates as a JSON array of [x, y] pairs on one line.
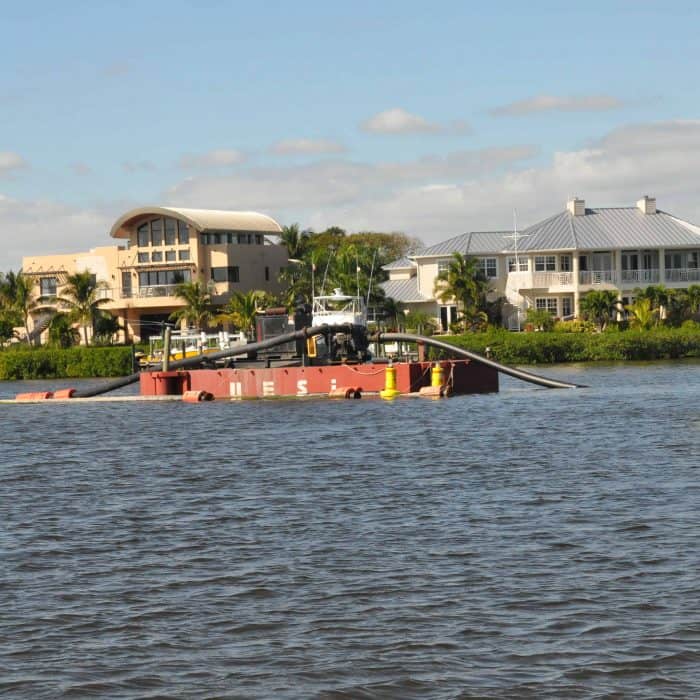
[[552, 264]]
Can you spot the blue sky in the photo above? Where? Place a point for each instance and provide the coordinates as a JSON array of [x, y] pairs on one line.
[[433, 118]]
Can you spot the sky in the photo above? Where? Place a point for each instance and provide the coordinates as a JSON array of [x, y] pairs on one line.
[[429, 118]]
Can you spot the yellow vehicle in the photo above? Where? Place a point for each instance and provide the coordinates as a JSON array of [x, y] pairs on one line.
[[189, 343]]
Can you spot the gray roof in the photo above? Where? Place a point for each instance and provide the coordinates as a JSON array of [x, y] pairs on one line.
[[403, 290], [602, 229], [400, 264], [474, 243]]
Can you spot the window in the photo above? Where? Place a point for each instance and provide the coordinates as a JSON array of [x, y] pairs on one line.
[[126, 281], [488, 267], [693, 259], [547, 304], [566, 306], [216, 238], [143, 257], [48, 285], [151, 278], [183, 254], [443, 265], [225, 274], [157, 256], [673, 261], [521, 263], [169, 255], [258, 239], [545, 263], [204, 238], [230, 238], [267, 273], [157, 232], [183, 236], [565, 263], [170, 231], [142, 236]]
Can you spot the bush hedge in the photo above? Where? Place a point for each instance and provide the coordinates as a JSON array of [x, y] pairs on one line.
[[541, 347], [74, 363]]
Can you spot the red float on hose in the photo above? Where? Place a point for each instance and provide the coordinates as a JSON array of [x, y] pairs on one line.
[[195, 396], [34, 396]]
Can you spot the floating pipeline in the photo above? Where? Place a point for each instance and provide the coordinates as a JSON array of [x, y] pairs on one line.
[[472, 373]]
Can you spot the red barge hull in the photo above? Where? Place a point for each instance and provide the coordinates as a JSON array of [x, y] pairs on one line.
[[460, 377]]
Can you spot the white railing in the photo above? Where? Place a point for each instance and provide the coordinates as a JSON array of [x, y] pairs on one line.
[[640, 276], [156, 290], [552, 279], [597, 277], [682, 275]]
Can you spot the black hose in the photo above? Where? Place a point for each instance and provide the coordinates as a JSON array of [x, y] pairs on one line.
[[319, 330], [512, 371], [204, 358]]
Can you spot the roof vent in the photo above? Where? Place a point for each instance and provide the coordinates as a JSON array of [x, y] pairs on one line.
[[647, 204], [576, 206]]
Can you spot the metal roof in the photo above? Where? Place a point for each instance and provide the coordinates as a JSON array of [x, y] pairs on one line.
[[200, 219], [400, 264], [403, 290], [473, 243], [609, 228]]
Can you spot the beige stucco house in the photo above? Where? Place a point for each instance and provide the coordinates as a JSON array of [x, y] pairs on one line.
[[160, 247], [553, 263]]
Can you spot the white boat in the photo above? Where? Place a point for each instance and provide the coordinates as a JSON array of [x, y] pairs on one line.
[[337, 309]]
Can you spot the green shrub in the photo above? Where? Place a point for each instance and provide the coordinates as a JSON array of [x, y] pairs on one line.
[[75, 362], [542, 347]]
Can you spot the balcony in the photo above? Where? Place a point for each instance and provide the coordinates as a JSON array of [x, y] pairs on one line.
[[638, 277], [542, 280], [596, 277], [158, 290], [691, 274]]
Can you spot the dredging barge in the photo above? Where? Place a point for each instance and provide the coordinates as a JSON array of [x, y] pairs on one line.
[[326, 354]]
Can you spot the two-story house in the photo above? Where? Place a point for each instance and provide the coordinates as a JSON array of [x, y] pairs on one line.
[[164, 246], [552, 264]]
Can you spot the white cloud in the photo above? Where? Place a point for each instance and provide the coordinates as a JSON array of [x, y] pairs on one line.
[[41, 227], [398, 121], [438, 197], [292, 147], [552, 103], [10, 162], [212, 159], [432, 198]]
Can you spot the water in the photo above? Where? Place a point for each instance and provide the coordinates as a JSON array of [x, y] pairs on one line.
[[530, 544]]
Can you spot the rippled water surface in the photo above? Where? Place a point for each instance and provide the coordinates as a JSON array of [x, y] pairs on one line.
[[528, 544]]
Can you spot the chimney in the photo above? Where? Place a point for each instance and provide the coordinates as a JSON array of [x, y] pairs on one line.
[[576, 206], [647, 204]]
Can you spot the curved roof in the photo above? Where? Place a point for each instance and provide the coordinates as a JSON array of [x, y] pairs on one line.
[[201, 220]]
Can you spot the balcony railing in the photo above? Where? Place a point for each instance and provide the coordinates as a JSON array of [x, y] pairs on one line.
[[691, 274], [157, 290], [552, 279], [597, 277], [640, 276]]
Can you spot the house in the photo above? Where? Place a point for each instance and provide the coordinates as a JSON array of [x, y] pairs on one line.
[[554, 263], [163, 246]]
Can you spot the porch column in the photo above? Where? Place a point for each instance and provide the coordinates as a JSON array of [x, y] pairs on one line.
[[577, 294], [618, 282], [662, 265]]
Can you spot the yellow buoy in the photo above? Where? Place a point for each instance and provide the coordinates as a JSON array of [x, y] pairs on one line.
[[437, 377], [389, 391]]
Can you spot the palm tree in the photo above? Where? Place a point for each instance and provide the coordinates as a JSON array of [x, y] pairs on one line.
[[198, 310], [80, 296], [658, 295], [393, 312], [241, 309], [296, 241], [17, 300], [693, 295], [642, 314], [600, 306], [464, 282]]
